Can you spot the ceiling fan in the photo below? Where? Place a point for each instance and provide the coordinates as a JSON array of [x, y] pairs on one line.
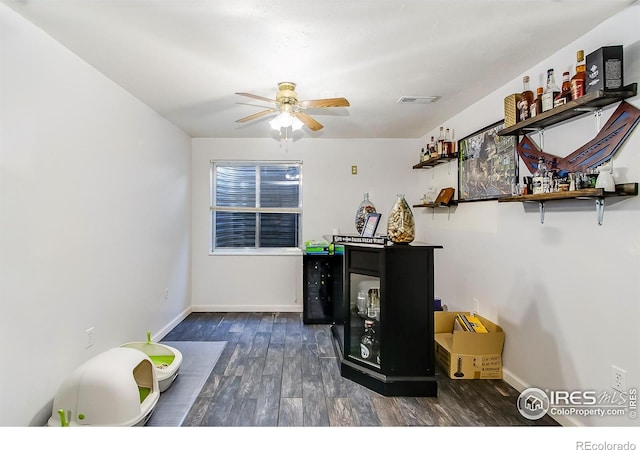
[[290, 110]]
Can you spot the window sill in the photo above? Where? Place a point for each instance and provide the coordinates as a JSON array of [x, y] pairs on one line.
[[257, 252]]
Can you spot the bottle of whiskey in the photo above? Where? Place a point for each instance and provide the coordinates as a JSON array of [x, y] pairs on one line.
[[579, 79], [454, 146], [550, 92], [526, 100], [565, 91], [369, 343], [448, 143], [540, 179], [536, 106], [441, 142]]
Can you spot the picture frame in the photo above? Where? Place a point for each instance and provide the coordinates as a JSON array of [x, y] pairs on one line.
[[370, 224], [487, 164]]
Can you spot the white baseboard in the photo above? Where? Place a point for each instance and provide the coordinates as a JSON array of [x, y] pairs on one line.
[[520, 385], [247, 308], [171, 325]]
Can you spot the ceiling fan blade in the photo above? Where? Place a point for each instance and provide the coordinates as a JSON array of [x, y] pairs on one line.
[[257, 115], [309, 121], [257, 97], [324, 103]]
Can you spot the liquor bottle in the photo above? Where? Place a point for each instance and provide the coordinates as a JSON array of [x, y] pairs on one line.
[[536, 106], [423, 154], [368, 342], [433, 150], [448, 143], [454, 146], [539, 177], [550, 92], [579, 79], [565, 91], [373, 304], [526, 100], [441, 142]]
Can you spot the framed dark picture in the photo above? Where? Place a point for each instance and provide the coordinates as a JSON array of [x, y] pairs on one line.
[[371, 224], [487, 164]]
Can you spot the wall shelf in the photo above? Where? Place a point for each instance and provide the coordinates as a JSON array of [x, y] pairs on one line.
[[437, 205], [587, 103], [597, 194], [436, 160]]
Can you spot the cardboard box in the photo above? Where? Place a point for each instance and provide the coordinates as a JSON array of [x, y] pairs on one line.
[[511, 113], [605, 69], [465, 354]]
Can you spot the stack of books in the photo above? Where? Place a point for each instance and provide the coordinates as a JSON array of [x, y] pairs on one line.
[[464, 322]]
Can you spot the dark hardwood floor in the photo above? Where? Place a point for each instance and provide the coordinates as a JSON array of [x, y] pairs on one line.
[[277, 371]]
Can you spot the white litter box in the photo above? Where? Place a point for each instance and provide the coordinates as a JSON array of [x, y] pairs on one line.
[[116, 388], [166, 359]]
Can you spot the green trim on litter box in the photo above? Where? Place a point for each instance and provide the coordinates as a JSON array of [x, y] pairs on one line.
[[162, 359], [144, 392]]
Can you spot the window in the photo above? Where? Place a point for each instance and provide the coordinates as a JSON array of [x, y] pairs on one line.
[[255, 205]]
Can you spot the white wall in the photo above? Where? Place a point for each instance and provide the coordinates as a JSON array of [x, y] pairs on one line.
[[566, 292], [95, 224], [94, 218], [331, 195]]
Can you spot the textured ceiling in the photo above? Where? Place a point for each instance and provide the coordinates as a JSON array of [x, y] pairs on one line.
[[187, 58]]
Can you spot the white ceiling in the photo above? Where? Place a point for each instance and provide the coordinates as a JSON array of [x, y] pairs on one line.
[[187, 58]]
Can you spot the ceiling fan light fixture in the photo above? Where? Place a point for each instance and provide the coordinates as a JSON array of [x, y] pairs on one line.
[[296, 124], [286, 120], [290, 112]]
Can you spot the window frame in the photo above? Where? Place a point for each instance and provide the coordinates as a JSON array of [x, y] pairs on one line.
[[213, 250]]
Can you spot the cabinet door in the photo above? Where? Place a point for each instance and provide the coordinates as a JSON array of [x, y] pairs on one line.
[[318, 301], [364, 324]]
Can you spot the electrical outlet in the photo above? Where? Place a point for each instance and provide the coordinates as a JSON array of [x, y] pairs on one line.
[[476, 307], [89, 332], [166, 294], [354, 170], [618, 379]]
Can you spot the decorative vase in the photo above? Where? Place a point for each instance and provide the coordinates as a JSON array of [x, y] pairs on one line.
[[365, 208], [401, 228], [605, 178]]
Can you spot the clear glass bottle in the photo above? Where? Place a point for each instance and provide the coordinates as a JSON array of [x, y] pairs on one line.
[[580, 77], [401, 227], [364, 208], [539, 177], [440, 142], [369, 342], [433, 150], [550, 92], [373, 304], [526, 99]]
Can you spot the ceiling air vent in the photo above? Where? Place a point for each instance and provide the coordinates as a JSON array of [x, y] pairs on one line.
[[418, 100]]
